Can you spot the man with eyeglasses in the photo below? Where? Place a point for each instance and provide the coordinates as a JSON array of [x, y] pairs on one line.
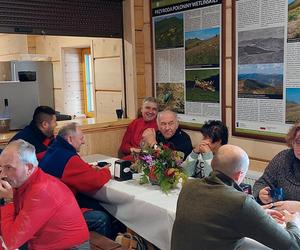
[[40, 131], [168, 133]]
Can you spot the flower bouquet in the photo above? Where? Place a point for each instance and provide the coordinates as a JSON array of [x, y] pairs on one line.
[[161, 166]]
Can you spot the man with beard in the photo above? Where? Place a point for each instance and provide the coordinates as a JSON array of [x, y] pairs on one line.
[[40, 131]]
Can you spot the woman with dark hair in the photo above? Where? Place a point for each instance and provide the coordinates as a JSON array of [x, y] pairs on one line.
[[215, 134], [283, 172]]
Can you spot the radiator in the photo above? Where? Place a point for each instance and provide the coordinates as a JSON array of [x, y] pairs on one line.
[[251, 177]]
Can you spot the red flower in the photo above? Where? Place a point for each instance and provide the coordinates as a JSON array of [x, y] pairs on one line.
[[152, 174], [170, 172], [157, 153]]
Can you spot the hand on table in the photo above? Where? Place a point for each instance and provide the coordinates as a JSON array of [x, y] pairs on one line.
[[290, 206], [264, 195], [291, 217], [276, 215]]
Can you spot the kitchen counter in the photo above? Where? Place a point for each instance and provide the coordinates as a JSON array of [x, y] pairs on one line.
[[110, 132]]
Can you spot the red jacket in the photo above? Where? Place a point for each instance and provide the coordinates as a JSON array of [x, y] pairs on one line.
[[133, 134], [45, 214], [62, 161], [80, 176]]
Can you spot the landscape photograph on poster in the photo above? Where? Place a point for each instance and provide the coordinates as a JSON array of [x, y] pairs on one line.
[[293, 20], [260, 81], [292, 105], [202, 48], [163, 3], [203, 85], [171, 96], [168, 31], [261, 46]]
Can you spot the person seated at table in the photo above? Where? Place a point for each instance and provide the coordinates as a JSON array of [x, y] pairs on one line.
[[283, 171], [198, 163], [40, 131], [168, 133], [133, 135], [214, 213], [39, 209], [62, 161]]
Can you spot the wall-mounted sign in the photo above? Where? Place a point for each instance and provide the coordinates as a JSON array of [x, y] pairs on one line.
[[267, 68], [187, 45]]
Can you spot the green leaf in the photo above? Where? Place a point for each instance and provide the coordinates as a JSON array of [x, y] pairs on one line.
[[144, 179], [165, 185]]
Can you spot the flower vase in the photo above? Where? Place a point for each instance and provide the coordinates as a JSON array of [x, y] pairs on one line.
[[153, 181]]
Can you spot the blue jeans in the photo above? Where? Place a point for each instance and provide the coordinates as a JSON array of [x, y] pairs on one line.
[[98, 222]]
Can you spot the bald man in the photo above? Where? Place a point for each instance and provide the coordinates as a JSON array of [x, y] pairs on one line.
[[214, 213]]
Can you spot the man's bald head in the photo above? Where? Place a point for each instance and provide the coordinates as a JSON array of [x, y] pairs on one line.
[[232, 161]]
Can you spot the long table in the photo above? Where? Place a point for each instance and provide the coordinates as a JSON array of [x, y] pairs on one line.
[[143, 208]]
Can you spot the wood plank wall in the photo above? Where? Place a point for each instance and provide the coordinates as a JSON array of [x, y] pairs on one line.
[[143, 45]]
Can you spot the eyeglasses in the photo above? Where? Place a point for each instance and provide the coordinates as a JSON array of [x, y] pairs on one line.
[[297, 142]]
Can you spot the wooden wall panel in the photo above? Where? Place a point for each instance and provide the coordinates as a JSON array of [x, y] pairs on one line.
[[57, 75], [104, 142], [141, 87], [107, 103], [13, 44], [59, 100], [107, 47], [140, 59], [139, 17], [146, 8], [147, 44], [108, 74]]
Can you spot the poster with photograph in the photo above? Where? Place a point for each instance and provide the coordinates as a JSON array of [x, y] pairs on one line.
[[267, 68], [187, 46]]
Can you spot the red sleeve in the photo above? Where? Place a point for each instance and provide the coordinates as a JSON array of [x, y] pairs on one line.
[[80, 176], [40, 155], [126, 142], [16, 230]]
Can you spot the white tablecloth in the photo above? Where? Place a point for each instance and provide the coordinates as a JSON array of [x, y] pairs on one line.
[[145, 208]]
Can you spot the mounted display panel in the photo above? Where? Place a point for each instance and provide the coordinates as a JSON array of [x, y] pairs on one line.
[[266, 68], [188, 57]]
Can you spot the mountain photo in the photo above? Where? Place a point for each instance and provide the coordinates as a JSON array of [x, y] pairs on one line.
[[292, 105], [202, 48], [260, 81], [293, 20], [168, 32], [261, 46]]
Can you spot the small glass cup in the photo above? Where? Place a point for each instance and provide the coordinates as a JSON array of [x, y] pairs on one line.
[[277, 194]]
